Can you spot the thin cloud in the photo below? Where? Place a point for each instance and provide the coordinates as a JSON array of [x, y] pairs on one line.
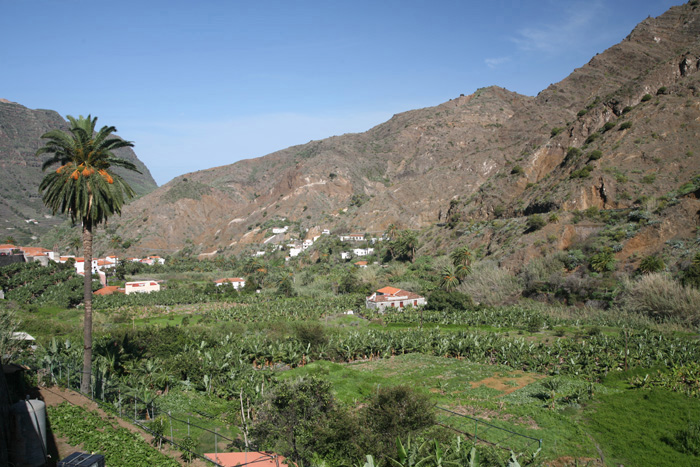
[[496, 61], [557, 37]]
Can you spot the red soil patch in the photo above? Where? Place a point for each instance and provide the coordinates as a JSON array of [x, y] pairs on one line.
[[509, 383]]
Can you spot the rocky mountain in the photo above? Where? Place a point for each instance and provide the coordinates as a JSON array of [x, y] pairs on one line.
[[621, 132], [22, 212]]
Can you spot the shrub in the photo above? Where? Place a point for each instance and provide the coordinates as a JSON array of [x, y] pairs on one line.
[[691, 275], [491, 285], [441, 300], [649, 178], [626, 109], [651, 264], [604, 260], [687, 440], [556, 130], [517, 170], [625, 126], [595, 155], [581, 113], [609, 126], [535, 222], [646, 97], [661, 90], [659, 296], [572, 154], [592, 137], [583, 172], [394, 412]]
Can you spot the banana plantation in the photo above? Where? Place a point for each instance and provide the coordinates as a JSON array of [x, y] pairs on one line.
[[324, 381]]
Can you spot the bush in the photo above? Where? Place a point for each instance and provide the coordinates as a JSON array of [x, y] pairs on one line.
[[517, 170], [595, 155], [583, 172], [661, 90], [651, 264], [646, 97], [687, 440], [649, 178], [441, 300], [556, 130], [660, 297], [490, 285], [535, 222], [394, 412], [572, 154], [592, 137], [609, 126], [603, 261], [625, 126]]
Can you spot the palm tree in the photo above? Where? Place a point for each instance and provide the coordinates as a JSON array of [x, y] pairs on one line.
[[83, 187], [462, 259], [448, 278]]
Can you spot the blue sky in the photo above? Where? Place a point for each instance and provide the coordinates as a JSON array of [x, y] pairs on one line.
[[202, 84]]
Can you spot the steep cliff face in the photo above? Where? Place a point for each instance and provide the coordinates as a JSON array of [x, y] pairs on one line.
[[20, 170], [631, 116]]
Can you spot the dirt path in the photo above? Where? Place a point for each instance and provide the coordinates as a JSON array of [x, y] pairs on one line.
[[59, 447]]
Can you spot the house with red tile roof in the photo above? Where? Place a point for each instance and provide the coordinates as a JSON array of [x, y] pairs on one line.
[[236, 282], [253, 459], [391, 297], [147, 286]]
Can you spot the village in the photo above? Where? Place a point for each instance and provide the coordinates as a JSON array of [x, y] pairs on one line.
[[280, 240]]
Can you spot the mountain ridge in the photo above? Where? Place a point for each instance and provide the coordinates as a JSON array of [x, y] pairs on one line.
[[455, 162]]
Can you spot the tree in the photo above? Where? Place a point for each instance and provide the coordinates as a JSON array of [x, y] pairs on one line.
[[448, 279], [404, 246], [83, 187], [462, 260]]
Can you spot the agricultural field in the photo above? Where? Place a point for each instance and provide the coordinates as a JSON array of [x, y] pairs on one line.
[[535, 384]]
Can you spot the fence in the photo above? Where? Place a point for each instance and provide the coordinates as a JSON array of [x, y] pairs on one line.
[[184, 431], [488, 433]]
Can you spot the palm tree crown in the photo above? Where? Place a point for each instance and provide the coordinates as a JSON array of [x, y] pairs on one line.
[[82, 185]]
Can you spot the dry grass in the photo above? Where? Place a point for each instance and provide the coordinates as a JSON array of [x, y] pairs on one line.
[[491, 285], [662, 298]]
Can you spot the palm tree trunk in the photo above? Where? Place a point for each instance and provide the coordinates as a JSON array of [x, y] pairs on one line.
[[87, 300]]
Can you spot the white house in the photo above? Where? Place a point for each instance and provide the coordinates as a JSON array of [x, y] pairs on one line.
[[362, 251], [326, 232], [280, 230], [237, 282], [294, 252], [351, 237], [391, 297], [345, 255], [307, 243], [141, 287]]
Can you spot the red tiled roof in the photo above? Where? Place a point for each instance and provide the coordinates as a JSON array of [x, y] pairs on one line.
[[397, 295], [254, 459], [389, 290], [361, 263], [109, 290], [34, 250], [7, 246]]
